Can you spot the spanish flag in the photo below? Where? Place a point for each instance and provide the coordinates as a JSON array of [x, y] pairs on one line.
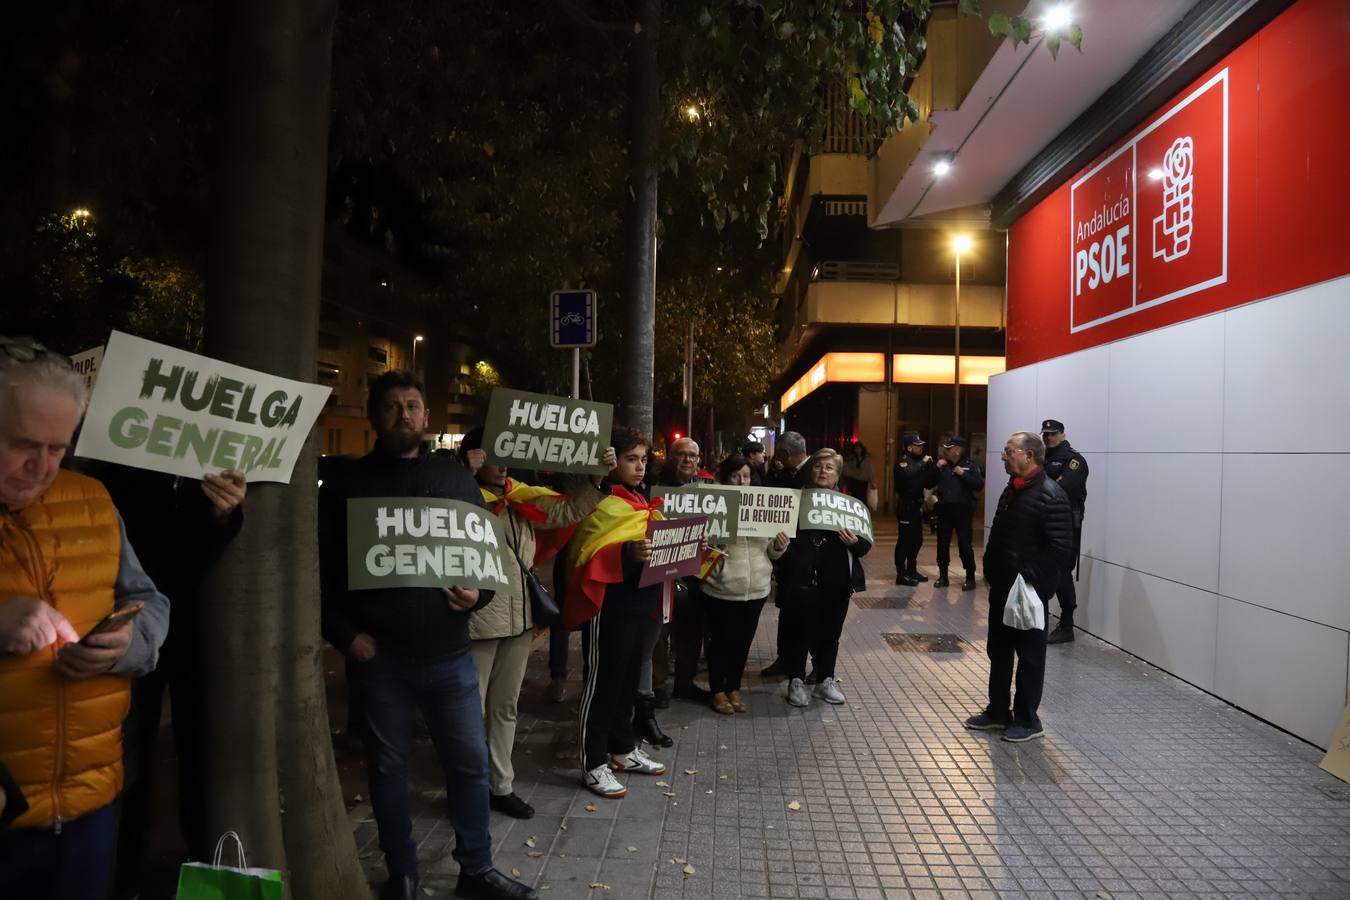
[[524, 499], [595, 554]]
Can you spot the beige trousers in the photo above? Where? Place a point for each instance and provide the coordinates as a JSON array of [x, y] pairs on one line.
[[501, 670]]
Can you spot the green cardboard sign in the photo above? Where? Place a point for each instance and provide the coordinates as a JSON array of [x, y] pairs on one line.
[[826, 510], [397, 542], [719, 502], [542, 432]]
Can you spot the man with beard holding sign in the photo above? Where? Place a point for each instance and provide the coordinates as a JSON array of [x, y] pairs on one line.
[[410, 646]]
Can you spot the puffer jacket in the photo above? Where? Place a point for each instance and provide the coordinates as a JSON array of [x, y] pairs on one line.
[[62, 737], [509, 613], [746, 571], [820, 559], [1032, 534]]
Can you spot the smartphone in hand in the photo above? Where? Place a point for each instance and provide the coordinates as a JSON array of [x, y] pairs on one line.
[[115, 620]]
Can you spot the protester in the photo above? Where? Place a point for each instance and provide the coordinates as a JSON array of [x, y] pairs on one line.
[[179, 527], [690, 620], [958, 481], [816, 577], [735, 594], [1032, 536], [67, 566], [794, 473], [501, 631], [606, 556], [857, 475], [753, 451], [411, 649]]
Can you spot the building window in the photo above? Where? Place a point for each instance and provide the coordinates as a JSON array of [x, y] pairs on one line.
[[378, 354]]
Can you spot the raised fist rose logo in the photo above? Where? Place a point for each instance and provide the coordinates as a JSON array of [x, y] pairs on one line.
[[1172, 229]]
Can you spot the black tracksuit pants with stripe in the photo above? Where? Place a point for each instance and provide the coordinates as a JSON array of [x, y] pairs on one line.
[[613, 666]]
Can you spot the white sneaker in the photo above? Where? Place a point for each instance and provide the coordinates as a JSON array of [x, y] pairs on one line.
[[797, 695], [602, 781], [638, 762], [828, 691]]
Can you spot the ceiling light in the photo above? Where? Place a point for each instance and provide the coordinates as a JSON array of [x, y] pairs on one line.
[[1056, 18], [942, 167]]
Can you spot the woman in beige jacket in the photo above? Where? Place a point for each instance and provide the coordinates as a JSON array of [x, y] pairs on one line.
[[501, 631], [735, 593]]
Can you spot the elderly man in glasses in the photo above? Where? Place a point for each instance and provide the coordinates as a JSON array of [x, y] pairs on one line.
[[65, 567]]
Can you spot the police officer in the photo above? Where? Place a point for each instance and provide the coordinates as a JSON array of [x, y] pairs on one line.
[[911, 477], [1067, 466], [957, 481]]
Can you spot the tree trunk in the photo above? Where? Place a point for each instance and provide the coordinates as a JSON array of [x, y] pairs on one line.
[[272, 777], [639, 294]]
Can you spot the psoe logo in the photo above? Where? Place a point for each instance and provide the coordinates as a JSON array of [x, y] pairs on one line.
[[1172, 227]]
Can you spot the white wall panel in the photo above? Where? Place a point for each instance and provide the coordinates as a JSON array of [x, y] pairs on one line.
[[1287, 670], [1098, 504], [1098, 600], [1073, 389], [1164, 515], [1173, 626], [1012, 404], [1166, 389], [1284, 377], [1282, 546]]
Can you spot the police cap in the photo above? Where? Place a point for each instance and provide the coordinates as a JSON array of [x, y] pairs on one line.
[[1051, 426], [954, 441], [911, 437]]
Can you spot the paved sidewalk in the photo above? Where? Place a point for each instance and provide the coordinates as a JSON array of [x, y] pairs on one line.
[[1144, 786]]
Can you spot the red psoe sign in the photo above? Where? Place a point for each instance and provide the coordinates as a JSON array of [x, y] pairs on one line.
[[1149, 223]]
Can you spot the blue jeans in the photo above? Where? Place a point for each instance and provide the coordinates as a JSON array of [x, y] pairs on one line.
[[558, 646], [392, 688], [77, 864]]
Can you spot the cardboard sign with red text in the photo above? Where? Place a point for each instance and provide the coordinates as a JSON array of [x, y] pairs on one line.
[[676, 549]]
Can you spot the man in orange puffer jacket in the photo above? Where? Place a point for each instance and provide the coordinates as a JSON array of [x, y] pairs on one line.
[[65, 564]]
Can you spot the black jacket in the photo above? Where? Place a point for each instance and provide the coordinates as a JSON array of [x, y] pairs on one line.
[[912, 475], [413, 622], [1067, 466], [1032, 535], [819, 559], [790, 478], [958, 490]]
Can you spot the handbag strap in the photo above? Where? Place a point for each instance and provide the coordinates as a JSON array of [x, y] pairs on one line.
[[220, 850]]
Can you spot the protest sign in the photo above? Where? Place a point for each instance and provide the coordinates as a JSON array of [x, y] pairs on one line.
[[767, 511], [539, 431], [167, 410], [719, 503], [86, 362], [825, 510], [675, 549], [395, 542]]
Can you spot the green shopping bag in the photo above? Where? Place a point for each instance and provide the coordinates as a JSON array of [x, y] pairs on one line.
[[199, 881]]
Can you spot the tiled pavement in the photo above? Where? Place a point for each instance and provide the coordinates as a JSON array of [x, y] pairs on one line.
[[1144, 786]]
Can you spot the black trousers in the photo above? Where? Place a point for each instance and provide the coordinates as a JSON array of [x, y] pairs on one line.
[[951, 517], [909, 540], [819, 622], [1065, 589], [687, 627], [1006, 646], [733, 624], [614, 661]]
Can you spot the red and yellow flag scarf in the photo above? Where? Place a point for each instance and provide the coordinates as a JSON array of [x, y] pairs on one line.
[[595, 555], [524, 499]]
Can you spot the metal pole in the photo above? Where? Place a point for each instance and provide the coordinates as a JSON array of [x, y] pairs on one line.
[[956, 377], [414, 359], [576, 373], [689, 420]]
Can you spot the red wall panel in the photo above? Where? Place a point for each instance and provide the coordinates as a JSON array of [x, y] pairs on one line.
[[1251, 201]]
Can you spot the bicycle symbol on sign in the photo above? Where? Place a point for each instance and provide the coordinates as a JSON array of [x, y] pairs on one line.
[[572, 318]]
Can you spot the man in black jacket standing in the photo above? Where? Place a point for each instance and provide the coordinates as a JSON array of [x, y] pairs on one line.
[[1067, 466], [957, 481], [410, 647], [1031, 536]]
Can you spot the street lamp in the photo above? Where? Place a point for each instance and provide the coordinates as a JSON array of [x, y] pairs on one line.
[[961, 243], [417, 339]]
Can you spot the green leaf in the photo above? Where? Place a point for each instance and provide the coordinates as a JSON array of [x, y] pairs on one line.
[[1052, 44], [999, 23], [1076, 37], [1021, 30], [970, 7]]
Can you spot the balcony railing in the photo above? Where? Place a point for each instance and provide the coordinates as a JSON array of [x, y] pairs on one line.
[[855, 270]]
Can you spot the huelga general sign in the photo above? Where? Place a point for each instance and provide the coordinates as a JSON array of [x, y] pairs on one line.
[[825, 510], [423, 542], [541, 432], [163, 409]]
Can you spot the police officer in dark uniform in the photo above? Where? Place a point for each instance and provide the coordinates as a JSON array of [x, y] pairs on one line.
[[957, 481], [1067, 466], [911, 477]]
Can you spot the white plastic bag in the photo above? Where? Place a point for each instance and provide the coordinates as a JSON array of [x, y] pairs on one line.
[[1024, 609]]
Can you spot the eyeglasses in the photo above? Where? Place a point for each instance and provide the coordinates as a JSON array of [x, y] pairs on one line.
[[1008, 452], [684, 455], [24, 350]]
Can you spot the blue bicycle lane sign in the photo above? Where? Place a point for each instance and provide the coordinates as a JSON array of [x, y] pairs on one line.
[[572, 319]]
